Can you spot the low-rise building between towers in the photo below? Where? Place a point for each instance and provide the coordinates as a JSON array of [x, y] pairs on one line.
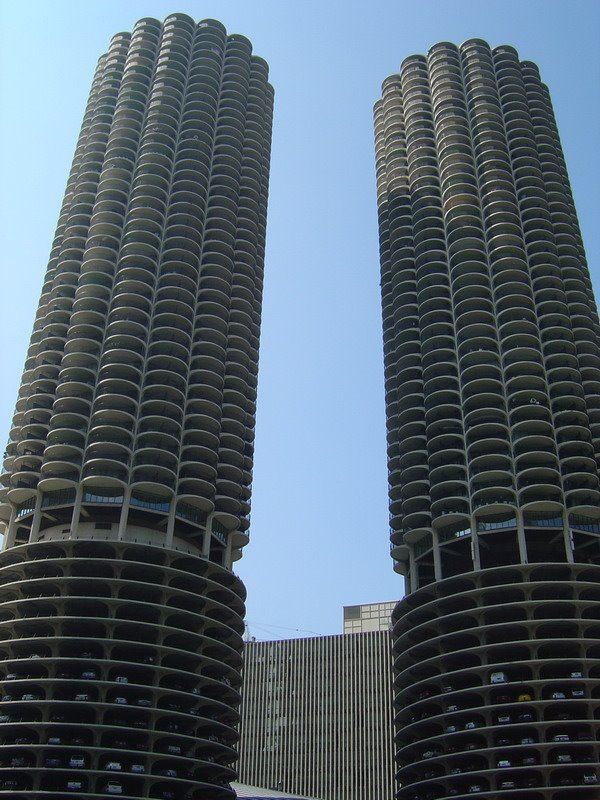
[[316, 714]]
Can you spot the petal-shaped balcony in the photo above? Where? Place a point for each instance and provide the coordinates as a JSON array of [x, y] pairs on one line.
[[144, 476], [490, 462], [574, 465]]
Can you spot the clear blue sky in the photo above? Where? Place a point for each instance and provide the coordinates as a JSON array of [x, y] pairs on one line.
[[319, 519]]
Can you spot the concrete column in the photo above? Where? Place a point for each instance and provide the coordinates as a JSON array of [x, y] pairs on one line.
[[37, 518], [171, 523], [521, 538], [207, 537], [228, 549], [124, 514], [11, 530], [475, 545], [413, 574], [437, 557], [568, 537], [75, 517]]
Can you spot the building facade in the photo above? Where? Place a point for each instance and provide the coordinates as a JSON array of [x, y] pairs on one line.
[[317, 716], [128, 471], [258, 793], [368, 617], [492, 367]]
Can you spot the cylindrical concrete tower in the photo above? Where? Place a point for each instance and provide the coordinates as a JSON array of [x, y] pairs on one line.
[[127, 481], [492, 359]]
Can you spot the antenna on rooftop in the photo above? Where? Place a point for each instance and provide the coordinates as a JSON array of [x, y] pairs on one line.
[[247, 635]]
